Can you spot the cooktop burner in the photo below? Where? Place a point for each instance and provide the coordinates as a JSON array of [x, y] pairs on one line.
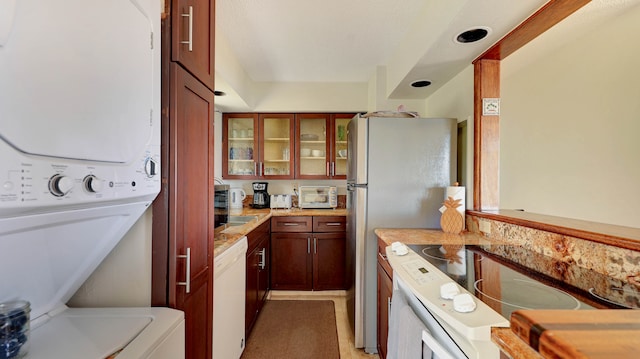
[[503, 285]]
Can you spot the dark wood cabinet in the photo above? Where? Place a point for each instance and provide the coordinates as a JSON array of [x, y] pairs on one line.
[[182, 223], [257, 146], [284, 145], [182, 245], [385, 291], [308, 253], [326, 133], [258, 268], [192, 38]]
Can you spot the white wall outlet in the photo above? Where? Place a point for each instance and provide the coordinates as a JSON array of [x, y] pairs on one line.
[[485, 227]]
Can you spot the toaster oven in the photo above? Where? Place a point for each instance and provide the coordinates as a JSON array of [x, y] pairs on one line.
[[318, 197]]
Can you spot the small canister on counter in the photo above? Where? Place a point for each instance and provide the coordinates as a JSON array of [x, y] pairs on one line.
[[14, 329]]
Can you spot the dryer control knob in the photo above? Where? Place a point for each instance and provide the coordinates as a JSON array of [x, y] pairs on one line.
[[93, 184], [60, 185], [150, 167]]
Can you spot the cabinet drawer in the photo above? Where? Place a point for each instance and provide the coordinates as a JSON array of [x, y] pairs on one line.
[[329, 223], [291, 224], [255, 236]]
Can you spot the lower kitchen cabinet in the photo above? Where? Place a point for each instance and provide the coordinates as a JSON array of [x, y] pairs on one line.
[[385, 291], [257, 273], [308, 253]]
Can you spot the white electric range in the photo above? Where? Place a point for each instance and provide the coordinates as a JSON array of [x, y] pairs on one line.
[[423, 274]]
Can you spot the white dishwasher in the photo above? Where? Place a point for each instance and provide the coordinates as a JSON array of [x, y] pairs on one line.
[[229, 288]]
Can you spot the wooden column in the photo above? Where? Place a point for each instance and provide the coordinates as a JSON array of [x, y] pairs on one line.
[[486, 162]]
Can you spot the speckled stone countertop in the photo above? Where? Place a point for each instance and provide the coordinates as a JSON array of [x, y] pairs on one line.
[[225, 238], [428, 236]]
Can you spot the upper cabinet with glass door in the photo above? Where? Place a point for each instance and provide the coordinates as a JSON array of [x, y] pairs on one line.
[[321, 143], [340, 122], [257, 146], [240, 147], [276, 144]]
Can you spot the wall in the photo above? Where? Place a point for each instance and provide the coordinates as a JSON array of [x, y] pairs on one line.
[[570, 120], [123, 279], [455, 99]]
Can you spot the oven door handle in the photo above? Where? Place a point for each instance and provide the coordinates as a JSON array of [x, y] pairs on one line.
[[435, 347]]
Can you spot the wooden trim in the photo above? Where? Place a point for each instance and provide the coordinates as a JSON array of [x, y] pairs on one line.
[[542, 20], [486, 159]]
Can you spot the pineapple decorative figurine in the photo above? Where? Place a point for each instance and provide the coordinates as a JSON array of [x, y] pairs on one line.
[[452, 220]]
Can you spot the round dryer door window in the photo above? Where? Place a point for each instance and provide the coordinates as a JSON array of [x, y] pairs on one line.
[[84, 89]]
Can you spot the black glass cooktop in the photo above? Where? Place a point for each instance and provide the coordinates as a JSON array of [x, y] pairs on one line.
[[506, 285]]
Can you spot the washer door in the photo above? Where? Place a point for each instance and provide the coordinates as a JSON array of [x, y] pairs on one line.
[[77, 79]]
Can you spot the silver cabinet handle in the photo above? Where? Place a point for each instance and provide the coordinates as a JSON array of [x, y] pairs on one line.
[[333, 224], [308, 245], [388, 308], [315, 245], [187, 282], [291, 224], [263, 258], [327, 171], [255, 169], [333, 169], [190, 41]]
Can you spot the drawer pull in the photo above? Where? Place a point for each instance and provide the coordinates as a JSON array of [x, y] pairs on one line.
[[289, 224], [187, 282], [333, 224], [263, 258]]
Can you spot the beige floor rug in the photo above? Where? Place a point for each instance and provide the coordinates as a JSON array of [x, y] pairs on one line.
[[300, 329]]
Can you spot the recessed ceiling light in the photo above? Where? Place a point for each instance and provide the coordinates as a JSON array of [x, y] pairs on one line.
[[421, 83], [472, 35], [219, 93]]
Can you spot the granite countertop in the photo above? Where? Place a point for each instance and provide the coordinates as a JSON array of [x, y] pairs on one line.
[[428, 236], [225, 238]]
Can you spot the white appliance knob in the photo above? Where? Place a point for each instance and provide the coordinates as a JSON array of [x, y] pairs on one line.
[[449, 290], [464, 303], [93, 184], [150, 167], [60, 185]]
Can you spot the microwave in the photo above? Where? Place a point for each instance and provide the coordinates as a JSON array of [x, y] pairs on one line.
[[318, 197]]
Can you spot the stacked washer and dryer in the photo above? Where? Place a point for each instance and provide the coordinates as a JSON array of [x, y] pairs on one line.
[[79, 165]]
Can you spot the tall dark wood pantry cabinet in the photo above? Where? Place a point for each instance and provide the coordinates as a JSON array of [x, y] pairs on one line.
[[182, 259]]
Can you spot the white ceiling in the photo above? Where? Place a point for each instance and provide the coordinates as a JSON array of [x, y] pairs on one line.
[[311, 41]]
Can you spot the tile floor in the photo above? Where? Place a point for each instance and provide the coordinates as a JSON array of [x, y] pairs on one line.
[[345, 336]]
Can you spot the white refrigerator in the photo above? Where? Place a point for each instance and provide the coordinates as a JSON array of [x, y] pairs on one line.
[[397, 172]]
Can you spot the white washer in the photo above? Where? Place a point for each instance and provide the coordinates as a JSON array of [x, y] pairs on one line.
[[79, 164]]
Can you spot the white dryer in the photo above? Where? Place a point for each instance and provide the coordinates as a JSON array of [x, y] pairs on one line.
[[79, 164]]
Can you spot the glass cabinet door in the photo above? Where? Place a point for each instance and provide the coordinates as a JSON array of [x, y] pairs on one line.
[[313, 134], [276, 146], [241, 147], [339, 167]]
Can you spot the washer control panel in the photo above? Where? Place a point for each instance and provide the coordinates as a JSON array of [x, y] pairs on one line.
[[30, 182]]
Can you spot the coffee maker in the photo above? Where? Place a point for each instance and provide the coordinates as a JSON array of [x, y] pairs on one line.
[[260, 195]]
